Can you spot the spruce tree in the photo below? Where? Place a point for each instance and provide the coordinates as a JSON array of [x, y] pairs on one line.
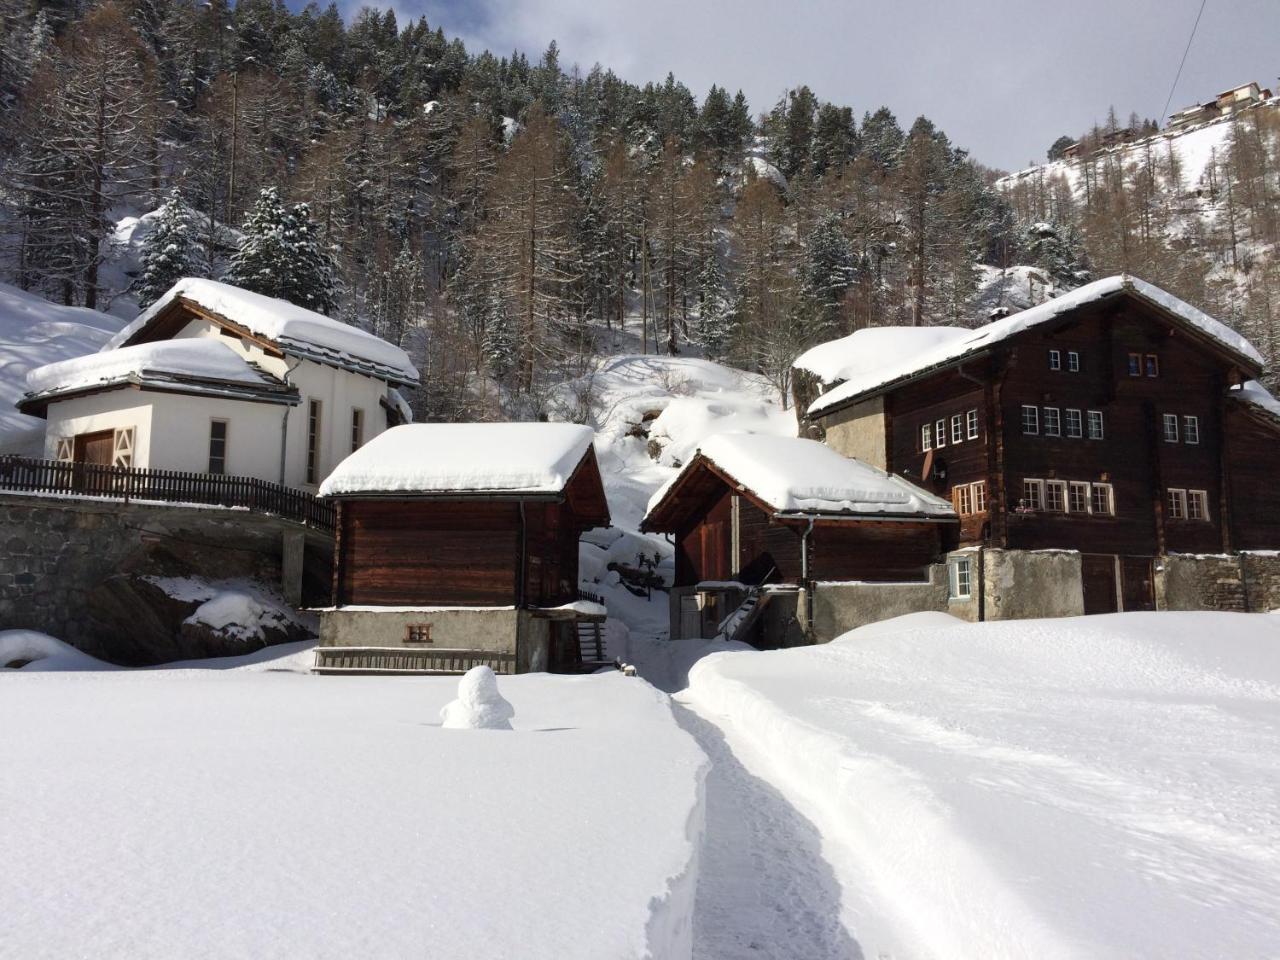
[[829, 271], [168, 252], [282, 256]]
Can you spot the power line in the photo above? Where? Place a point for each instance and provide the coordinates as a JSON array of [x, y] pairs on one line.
[[1178, 75]]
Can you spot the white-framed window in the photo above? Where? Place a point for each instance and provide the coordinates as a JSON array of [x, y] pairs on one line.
[[957, 428], [971, 423], [962, 499], [980, 497], [313, 441], [1055, 495], [122, 448], [217, 446], [940, 433], [1190, 429], [1177, 504], [1032, 495], [1151, 365], [1073, 361], [1095, 425], [960, 578], [1030, 419], [926, 437], [1197, 505], [1078, 497], [1052, 422], [357, 429], [1104, 503], [1055, 360], [1075, 424], [1170, 428]]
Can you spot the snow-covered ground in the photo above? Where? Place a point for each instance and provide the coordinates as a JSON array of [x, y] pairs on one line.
[[257, 811], [1095, 787]]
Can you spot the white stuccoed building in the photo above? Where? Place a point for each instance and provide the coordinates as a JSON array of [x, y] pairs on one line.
[[215, 379]]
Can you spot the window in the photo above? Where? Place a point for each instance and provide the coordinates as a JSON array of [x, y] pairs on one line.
[[1073, 361], [971, 419], [313, 441], [357, 429], [940, 433], [960, 577], [1055, 495], [1190, 429], [218, 446], [1135, 364], [1177, 504], [980, 497], [1075, 424], [1032, 495], [1152, 366], [1103, 500], [1055, 360], [1052, 422], [962, 500], [1030, 419], [1197, 505], [957, 428], [1095, 424], [926, 437], [1170, 428], [417, 633], [1078, 497]]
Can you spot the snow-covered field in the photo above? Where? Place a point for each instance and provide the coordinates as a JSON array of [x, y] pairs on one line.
[[1088, 788], [255, 811]]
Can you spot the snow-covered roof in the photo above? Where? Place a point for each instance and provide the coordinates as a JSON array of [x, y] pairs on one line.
[[465, 458], [296, 330], [211, 364], [865, 351], [1256, 395], [984, 337], [795, 475]]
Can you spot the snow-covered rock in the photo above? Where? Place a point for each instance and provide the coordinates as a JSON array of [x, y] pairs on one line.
[[34, 651], [479, 705]]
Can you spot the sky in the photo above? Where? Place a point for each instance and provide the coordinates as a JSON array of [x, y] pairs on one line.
[[1004, 79]]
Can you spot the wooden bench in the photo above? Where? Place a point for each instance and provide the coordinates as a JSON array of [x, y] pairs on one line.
[[435, 661]]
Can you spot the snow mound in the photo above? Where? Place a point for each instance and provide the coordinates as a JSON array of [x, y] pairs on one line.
[[1098, 787], [242, 614], [479, 705], [31, 650], [469, 457], [866, 351], [795, 475], [298, 331], [198, 357]]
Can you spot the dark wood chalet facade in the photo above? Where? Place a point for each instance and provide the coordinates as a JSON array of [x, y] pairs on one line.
[[1107, 428]]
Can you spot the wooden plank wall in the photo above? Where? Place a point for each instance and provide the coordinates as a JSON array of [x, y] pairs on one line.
[[884, 551], [1253, 472]]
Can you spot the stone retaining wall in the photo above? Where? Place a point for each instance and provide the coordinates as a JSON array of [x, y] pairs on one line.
[[1246, 582]]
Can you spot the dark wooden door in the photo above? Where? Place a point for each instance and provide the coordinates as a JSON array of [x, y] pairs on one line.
[[1136, 586], [93, 449], [1098, 573]]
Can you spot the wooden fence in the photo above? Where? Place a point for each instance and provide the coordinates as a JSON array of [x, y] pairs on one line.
[[167, 486]]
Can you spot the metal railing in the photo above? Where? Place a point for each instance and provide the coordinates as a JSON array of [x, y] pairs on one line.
[[167, 486]]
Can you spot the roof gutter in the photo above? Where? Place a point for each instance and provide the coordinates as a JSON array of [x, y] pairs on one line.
[[877, 517]]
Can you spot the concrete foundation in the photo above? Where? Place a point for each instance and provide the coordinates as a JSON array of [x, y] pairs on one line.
[[1022, 584]]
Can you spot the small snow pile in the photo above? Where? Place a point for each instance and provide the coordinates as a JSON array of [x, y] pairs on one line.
[[240, 614], [479, 705], [32, 650]]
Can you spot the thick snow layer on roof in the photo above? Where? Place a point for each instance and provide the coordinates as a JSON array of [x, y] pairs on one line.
[[794, 475], [1256, 394], [198, 357], [463, 457], [865, 351], [985, 336], [154, 813], [1089, 787], [296, 329]]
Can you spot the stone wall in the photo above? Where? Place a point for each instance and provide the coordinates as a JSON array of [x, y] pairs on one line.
[[858, 431], [1246, 582], [840, 607], [1022, 584], [73, 567]]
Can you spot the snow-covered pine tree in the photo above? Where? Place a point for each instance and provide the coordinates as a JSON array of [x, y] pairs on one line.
[[282, 256], [715, 316], [829, 271], [168, 253]]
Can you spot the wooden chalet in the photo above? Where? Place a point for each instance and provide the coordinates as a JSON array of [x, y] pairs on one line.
[[457, 544], [755, 519], [1101, 422]]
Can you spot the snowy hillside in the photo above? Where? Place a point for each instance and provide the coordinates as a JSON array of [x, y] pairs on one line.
[[1102, 787], [34, 332]]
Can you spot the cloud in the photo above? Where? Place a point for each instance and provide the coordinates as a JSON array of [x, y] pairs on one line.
[[1004, 78]]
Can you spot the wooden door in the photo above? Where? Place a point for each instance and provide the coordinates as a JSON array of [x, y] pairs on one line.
[[97, 450], [1136, 583], [1098, 576]]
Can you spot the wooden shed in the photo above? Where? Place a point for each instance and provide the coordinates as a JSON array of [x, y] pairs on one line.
[[756, 518], [457, 544]]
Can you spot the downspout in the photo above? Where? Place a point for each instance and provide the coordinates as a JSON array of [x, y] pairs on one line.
[[284, 422], [804, 577]]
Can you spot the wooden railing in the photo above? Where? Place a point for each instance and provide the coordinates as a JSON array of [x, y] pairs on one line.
[[440, 662], [168, 486]]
